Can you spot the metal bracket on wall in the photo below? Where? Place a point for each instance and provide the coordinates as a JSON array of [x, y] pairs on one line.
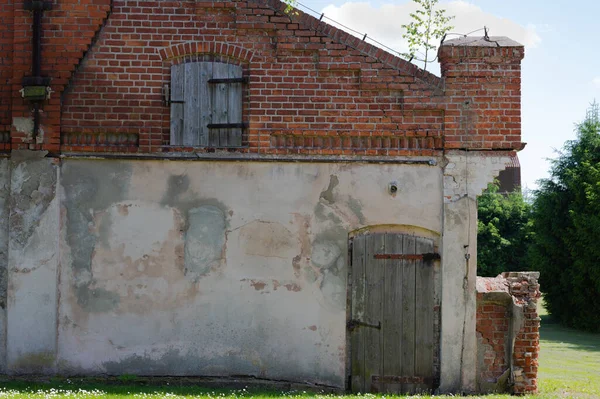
[[37, 5]]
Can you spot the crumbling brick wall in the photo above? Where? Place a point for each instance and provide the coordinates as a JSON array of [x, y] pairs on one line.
[[508, 332]]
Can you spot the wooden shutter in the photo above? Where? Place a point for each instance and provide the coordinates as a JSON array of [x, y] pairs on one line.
[[177, 101], [206, 104]]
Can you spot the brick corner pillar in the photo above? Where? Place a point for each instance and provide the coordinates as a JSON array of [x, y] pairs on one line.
[[525, 290], [482, 85], [482, 119]]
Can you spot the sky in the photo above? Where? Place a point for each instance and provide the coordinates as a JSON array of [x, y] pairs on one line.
[[560, 72]]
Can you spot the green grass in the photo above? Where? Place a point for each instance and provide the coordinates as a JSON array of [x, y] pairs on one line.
[[569, 368]]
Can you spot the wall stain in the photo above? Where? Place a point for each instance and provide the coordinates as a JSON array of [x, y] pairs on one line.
[[327, 194], [302, 260], [33, 187], [258, 285], [268, 239], [293, 287], [90, 186], [204, 240]]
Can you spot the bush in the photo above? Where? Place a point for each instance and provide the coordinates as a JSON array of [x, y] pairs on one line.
[[503, 232]]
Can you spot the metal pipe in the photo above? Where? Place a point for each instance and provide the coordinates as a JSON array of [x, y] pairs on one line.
[[37, 43]]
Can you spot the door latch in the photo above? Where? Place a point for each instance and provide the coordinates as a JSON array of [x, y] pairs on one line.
[[353, 324]]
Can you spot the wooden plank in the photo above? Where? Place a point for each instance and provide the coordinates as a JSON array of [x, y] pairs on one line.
[[392, 315], [235, 105], [191, 121], [177, 94], [357, 337], [205, 96], [408, 313], [220, 91], [374, 283], [424, 315]]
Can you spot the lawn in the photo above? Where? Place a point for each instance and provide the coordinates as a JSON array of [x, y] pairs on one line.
[[569, 368]]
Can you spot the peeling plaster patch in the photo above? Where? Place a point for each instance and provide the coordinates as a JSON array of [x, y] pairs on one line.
[[265, 286], [142, 268], [327, 195], [293, 287], [325, 253], [258, 285], [268, 239], [90, 188], [33, 186], [204, 240], [356, 207], [176, 186], [24, 125]]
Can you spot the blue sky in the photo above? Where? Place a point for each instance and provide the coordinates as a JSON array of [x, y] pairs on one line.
[[561, 69]]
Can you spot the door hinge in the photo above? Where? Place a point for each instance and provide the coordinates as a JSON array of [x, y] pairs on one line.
[[353, 324]]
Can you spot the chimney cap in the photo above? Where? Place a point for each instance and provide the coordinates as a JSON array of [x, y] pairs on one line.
[[492, 41]]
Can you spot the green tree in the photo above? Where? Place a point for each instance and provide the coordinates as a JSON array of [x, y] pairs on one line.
[[566, 248], [290, 5], [503, 232], [428, 24]]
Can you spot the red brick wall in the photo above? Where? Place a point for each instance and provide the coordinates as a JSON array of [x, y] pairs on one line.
[[312, 88], [483, 87], [507, 311], [67, 32], [526, 291], [492, 326], [6, 58]]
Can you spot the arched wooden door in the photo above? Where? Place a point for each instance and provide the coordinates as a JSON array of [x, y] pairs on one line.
[[391, 321]]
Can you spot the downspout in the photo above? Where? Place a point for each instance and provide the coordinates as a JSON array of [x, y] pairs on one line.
[[35, 87]]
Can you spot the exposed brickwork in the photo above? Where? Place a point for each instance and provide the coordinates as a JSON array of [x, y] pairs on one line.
[[6, 59], [525, 289], [67, 32], [508, 332], [492, 325], [483, 87], [313, 89]]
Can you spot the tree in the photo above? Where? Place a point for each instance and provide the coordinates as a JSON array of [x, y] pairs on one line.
[[427, 25], [290, 5], [503, 232], [566, 225]]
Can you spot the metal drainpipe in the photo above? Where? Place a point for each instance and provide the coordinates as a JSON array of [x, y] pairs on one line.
[[37, 7], [36, 43]]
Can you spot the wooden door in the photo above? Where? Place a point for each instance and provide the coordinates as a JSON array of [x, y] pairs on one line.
[[391, 323]]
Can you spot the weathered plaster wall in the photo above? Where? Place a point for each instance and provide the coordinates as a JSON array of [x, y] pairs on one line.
[[466, 174], [32, 263], [4, 198], [213, 268]]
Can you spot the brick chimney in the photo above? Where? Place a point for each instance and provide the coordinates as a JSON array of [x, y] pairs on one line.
[[482, 77]]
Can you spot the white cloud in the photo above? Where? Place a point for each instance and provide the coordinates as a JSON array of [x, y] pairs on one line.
[[596, 81], [384, 23]]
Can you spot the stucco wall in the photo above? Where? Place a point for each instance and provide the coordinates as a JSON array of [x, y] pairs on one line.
[[4, 198], [215, 268]]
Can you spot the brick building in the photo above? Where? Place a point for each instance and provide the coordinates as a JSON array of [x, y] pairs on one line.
[[218, 189]]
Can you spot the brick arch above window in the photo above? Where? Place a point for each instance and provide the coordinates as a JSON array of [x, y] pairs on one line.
[[187, 49]]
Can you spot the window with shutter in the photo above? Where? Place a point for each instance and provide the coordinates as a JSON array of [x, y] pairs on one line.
[[206, 104]]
